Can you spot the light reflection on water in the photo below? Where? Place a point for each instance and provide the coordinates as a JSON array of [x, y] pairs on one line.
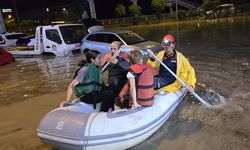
[[216, 49], [219, 50], [35, 76]]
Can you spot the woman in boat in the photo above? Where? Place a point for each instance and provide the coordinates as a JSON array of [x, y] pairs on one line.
[[88, 85], [140, 87]]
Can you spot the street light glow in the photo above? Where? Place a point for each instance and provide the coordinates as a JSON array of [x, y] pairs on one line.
[[9, 16]]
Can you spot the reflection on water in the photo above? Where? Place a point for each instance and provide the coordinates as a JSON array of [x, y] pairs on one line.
[[217, 49], [35, 76]]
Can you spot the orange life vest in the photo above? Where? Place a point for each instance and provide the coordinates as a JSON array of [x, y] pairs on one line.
[[144, 75]]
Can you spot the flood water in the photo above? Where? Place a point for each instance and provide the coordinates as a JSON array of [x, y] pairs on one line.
[[219, 50]]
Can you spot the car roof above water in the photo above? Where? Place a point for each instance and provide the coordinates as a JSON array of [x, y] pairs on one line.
[[112, 31]]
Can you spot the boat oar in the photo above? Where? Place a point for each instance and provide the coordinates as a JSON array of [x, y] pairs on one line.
[[183, 83], [115, 54]]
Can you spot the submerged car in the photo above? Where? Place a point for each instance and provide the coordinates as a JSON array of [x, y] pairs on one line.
[[9, 39], [26, 41], [130, 40]]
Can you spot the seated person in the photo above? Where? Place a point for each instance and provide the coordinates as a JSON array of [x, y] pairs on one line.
[[177, 63], [88, 85], [117, 68], [140, 88]]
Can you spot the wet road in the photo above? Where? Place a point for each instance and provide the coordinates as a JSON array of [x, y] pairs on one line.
[[219, 50]]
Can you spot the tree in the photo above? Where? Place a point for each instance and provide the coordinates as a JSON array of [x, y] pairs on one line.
[[158, 7], [71, 16], [120, 10], [191, 13], [182, 14], [27, 22], [135, 11], [210, 6], [237, 2]]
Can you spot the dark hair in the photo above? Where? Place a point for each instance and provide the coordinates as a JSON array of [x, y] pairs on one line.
[[92, 54], [83, 61]]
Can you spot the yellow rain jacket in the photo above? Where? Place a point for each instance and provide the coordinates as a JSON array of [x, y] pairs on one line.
[[183, 70]]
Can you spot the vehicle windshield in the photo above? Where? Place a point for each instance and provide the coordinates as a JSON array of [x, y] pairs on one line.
[[73, 34], [131, 38]]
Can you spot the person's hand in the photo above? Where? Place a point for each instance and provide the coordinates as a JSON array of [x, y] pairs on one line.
[[114, 60], [63, 102], [134, 106], [150, 53], [190, 88]]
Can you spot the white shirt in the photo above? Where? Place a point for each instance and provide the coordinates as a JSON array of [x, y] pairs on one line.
[[130, 75]]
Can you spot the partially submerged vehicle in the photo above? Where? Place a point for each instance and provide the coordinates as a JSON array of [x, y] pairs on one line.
[[9, 39], [5, 57], [130, 40], [26, 41], [60, 40], [78, 126]]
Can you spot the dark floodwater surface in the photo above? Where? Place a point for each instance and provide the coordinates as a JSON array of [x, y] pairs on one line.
[[219, 50]]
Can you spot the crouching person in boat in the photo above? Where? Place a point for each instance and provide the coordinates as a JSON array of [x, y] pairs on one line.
[[88, 85], [177, 63], [139, 91], [118, 67]]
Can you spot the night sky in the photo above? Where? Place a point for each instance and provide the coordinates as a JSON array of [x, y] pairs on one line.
[[104, 8], [25, 5]]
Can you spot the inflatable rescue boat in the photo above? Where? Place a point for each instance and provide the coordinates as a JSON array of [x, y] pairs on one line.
[[79, 126]]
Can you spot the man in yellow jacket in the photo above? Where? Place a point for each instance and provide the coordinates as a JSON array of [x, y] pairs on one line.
[[175, 61]]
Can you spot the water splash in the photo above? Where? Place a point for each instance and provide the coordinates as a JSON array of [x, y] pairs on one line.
[[212, 97]]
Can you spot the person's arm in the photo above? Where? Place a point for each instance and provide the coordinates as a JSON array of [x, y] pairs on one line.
[[106, 58], [70, 89], [133, 92], [123, 63], [82, 73], [191, 79], [154, 63], [69, 92]]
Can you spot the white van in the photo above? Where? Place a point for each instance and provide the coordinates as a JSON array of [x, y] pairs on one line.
[[59, 40]]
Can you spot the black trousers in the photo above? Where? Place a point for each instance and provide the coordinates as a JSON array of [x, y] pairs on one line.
[[105, 96], [116, 83]]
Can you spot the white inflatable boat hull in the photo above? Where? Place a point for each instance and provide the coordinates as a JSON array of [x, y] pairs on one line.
[[78, 127]]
